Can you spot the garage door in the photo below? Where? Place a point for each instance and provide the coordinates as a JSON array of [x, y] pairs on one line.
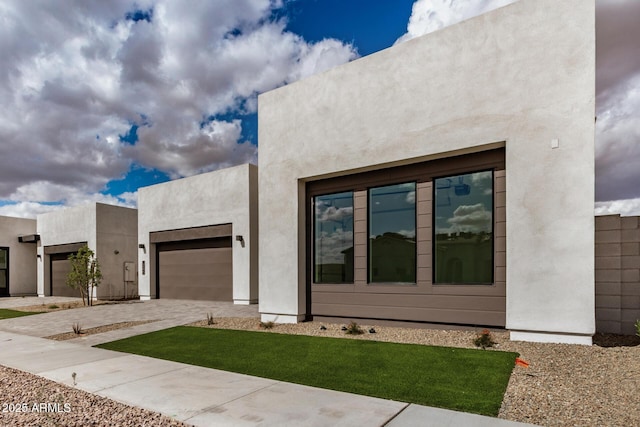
[[60, 268], [196, 269]]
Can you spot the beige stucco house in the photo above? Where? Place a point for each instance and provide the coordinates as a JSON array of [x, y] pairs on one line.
[[18, 243], [109, 231], [198, 237]]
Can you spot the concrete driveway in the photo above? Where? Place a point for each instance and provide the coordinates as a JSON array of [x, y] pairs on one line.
[[164, 313]]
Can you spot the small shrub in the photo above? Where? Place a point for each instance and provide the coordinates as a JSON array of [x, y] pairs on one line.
[[77, 329], [53, 307], [354, 329], [484, 339], [210, 320], [267, 325], [638, 327]]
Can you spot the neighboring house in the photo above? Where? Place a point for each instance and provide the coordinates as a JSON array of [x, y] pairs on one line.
[[198, 237], [475, 143], [18, 242], [109, 231]]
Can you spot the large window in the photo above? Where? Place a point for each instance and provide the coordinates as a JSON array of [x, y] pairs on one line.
[[333, 240], [463, 237], [392, 234]]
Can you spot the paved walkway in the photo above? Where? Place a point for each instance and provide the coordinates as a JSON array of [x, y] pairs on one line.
[[195, 395], [164, 314]]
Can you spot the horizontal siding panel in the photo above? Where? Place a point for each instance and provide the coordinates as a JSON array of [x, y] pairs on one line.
[[455, 302], [607, 301], [608, 222], [605, 288], [435, 315], [608, 314]]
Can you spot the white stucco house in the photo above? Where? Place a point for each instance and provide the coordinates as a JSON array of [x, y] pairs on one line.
[[18, 242], [448, 179], [109, 231], [198, 237]]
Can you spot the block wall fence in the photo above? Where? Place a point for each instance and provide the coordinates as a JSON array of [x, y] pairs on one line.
[[617, 273]]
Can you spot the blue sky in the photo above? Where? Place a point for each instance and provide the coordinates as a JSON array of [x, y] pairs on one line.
[[369, 26], [101, 98]]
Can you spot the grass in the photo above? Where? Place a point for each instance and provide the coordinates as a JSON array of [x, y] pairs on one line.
[[460, 379], [5, 313]]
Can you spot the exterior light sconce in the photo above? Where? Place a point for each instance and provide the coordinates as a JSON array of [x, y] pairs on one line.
[[240, 239], [39, 256], [141, 246], [116, 252]]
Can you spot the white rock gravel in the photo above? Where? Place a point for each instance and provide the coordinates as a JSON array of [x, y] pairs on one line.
[[29, 400]]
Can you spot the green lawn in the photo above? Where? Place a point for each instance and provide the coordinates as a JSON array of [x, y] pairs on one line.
[[461, 379], [5, 313]]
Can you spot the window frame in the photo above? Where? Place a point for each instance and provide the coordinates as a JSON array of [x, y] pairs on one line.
[[369, 280], [493, 226], [313, 239]]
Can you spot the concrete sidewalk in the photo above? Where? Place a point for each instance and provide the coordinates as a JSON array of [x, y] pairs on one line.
[[202, 396]]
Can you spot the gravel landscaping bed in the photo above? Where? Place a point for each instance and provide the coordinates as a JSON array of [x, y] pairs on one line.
[[98, 330], [564, 385], [29, 400], [47, 308]]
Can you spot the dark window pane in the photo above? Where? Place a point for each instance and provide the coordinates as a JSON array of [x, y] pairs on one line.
[[392, 234], [333, 246], [463, 244]]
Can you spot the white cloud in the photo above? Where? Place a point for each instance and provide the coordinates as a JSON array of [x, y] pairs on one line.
[[617, 86], [470, 219], [331, 245], [629, 207], [411, 198], [27, 209], [331, 213], [77, 76], [431, 15]]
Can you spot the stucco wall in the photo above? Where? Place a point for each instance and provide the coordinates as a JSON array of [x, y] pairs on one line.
[[71, 225], [227, 196], [105, 228], [116, 231], [520, 77], [22, 256]]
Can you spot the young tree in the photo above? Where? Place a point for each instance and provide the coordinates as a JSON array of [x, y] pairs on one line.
[[85, 273]]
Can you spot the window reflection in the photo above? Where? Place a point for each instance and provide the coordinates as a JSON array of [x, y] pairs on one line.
[[392, 234], [463, 244], [333, 247]]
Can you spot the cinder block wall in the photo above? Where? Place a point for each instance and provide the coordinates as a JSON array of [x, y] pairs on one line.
[[617, 273]]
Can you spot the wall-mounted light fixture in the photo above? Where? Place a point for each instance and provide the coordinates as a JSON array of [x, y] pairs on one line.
[[240, 239], [116, 252], [141, 246], [39, 256]]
